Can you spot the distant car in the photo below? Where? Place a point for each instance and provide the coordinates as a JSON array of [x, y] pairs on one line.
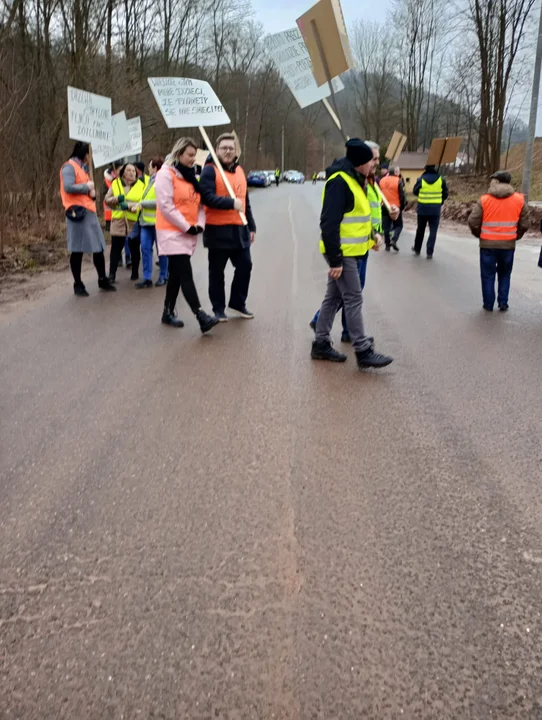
[[257, 178], [296, 177], [288, 174], [321, 175], [271, 175]]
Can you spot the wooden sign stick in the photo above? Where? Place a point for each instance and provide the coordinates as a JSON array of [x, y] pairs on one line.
[[90, 165], [337, 118], [220, 169]]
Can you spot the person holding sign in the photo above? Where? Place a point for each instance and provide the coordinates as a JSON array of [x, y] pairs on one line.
[[347, 235], [123, 197], [83, 230], [180, 218], [225, 235]]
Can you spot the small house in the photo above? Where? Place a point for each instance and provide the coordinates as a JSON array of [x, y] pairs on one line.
[[412, 165]]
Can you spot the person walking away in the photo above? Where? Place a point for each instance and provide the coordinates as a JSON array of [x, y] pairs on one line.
[[314, 178], [147, 222], [384, 172], [83, 231], [277, 177], [499, 219], [393, 190], [432, 191], [123, 197], [346, 234], [180, 218], [225, 236]]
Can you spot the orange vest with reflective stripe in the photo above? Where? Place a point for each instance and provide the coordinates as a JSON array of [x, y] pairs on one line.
[[186, 200], [81, 178], [238, 184], [390, 189], [107, 209], [500, 217]]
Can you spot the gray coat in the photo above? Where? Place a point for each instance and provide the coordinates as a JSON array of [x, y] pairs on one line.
[[85, 236]]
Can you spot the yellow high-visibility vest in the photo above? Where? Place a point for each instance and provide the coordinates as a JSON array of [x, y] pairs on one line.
[[134, 196], [431, 193], [356, 227], [376, 207], [149, 193]]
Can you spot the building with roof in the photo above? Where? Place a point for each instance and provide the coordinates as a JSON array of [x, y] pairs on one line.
[[412, 165]]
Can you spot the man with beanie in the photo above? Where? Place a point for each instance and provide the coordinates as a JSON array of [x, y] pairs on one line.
[[432, 191], [347, 234], [499, 219]]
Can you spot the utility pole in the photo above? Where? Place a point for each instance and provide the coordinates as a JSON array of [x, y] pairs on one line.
[[324, 155], [529, 145], [282, 166]]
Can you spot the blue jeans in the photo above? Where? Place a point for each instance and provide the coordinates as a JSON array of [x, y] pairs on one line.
[[499, 263], [148, 238], [362, 272], [127, 252]]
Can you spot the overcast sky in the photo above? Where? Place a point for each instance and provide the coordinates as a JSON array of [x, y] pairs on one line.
[[277, 15]]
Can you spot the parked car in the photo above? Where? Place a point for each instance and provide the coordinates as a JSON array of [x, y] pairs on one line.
[[257, 178], [321, 175], [296, 177], [271, 175], [288, 174]]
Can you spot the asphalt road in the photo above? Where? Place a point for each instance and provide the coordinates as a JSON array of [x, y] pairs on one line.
[[217, 527]]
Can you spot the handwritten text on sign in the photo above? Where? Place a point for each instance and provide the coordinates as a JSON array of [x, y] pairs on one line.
[[187, 103], [136, 135], [289, 53], [122, 143], [89, 117]]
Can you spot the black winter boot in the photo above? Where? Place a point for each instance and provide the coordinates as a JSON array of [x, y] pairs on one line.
[[169, 317], [326, 351], [369, 358], [105, 284], [206, 322]]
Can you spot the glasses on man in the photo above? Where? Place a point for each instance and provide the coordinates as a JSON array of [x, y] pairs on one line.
[[227, 148]]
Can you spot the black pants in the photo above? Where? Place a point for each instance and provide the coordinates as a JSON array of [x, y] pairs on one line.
[[76, 262], [242, 262], [134, 243], [433, 222], [117, 246], [392, 228], [180, 277]]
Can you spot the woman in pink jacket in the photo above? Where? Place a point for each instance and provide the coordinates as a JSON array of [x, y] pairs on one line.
[[180, 218]]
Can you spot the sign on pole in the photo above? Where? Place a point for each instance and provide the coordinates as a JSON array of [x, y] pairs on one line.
[[136, 135], [185, 103], [89, 117], [444, 150], [395, 148], [121, 146], [289, 53]]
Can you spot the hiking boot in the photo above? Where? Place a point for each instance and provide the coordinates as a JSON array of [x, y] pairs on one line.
[[112, 279], [326, 351], [144, 284], [80, 290], [394, 245], [169, 317], [503, 307], [105, 284], [416, 252], [369, 358], [221, 316], [242, 312], [388, 248], [206, 322]]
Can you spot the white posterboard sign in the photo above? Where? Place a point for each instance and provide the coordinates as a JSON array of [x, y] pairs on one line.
[[185, 102], [289, 53], [136, 135], [121, 146], [89, 117]]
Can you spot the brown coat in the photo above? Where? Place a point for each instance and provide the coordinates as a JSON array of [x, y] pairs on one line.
[[119, 227], [497, 190]]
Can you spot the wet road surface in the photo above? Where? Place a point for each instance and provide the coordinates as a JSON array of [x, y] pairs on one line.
[[215, 527]]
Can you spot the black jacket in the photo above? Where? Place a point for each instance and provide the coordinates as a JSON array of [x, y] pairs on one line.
[[338, 200], [224, 237], [430, 177]]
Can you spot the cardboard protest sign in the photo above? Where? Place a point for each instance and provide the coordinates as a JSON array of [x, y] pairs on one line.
[[121, 146], [395, 148], [325, 36], [444, 150], [289, 53], [201, 157], [136, 135], [186, 103], [89, 117]]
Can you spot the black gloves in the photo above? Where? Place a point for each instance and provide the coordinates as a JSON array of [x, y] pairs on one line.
[[194, 230]]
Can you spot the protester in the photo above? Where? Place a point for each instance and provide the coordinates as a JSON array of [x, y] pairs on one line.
[[225, 235], [499, 219], [347, 233], [393, 190], [180, 218], [110, 174], [147, 222], [432, 191], [277, 177], [123, 197], [314, 178], [384, 172], [140, 169], [83, 231]]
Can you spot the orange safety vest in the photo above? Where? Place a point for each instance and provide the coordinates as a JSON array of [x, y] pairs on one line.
[[107, 210], [500, 217], [185, 199], [390, 189], [238, 183], [81, 178]]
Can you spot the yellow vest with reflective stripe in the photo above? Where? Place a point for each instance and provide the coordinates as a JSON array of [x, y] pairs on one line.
[[134, 196], [149, 193], [376, 207], [355, 229], [431, 194]]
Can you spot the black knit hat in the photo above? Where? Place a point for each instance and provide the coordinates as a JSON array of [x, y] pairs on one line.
[[503, 176], [358, 152]]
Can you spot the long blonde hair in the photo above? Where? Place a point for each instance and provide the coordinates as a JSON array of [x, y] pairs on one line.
[[179, 148]]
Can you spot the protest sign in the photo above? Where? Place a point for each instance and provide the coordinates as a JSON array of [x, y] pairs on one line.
[[395, 148], [136, 135], [201, 157], [186, 103], [121, 146], [89, 117], [289, 53], [444, 150]]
